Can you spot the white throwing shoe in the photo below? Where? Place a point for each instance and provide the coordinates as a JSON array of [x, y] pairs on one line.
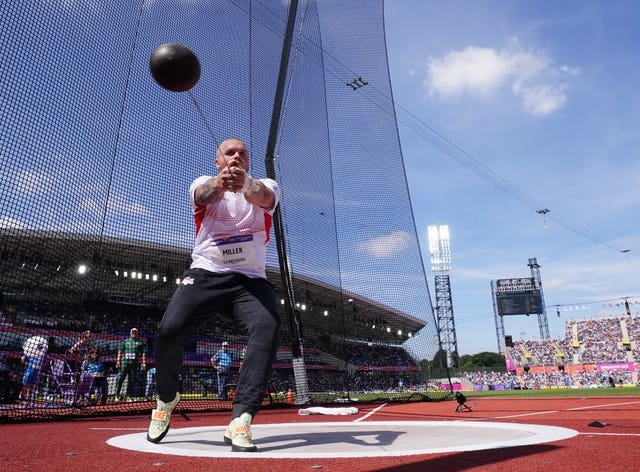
[[160, 419], [238, 434]]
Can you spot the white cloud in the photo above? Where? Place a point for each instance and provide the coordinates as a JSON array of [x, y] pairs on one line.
[[474, 71], [543, 100], [118, 205], [572, 71], [91, 206], [387, 246], [481, 73], [33, 182], [556, 283], [8, 222]]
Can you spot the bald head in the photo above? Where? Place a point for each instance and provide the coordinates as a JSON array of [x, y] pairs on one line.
[[232, 152]]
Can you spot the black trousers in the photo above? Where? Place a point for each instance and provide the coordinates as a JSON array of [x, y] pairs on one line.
[[203, 294]]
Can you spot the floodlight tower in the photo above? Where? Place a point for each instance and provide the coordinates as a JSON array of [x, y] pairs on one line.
[[440, 252]]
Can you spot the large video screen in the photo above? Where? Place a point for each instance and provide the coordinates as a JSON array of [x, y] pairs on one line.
[[519, 303]]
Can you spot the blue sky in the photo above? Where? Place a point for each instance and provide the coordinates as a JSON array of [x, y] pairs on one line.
[[508, 107]]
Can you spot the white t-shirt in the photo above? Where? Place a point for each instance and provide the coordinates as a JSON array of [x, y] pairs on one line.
[[232, 234]]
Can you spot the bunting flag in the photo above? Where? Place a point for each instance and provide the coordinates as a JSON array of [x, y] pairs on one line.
[[589, 306]]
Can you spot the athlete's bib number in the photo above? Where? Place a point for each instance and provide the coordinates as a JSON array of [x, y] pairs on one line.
[[233, 251]]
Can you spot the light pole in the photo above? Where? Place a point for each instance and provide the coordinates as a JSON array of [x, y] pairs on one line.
[[440, 253]]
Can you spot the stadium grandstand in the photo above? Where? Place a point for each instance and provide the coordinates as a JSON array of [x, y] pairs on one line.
[[596, 352]]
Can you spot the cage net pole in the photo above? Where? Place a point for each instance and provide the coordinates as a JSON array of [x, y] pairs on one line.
[[299, 371]]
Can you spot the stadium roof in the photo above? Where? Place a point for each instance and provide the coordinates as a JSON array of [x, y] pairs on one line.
[[68, 267]]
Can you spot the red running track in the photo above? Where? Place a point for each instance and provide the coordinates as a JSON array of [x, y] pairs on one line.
[[81, 444]]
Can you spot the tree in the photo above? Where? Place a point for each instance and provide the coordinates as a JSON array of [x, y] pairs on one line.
[[440, 360], [466, 360], [482, 359]]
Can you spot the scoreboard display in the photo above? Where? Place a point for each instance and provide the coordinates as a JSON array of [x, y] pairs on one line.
[[519, 303], [518, 297]]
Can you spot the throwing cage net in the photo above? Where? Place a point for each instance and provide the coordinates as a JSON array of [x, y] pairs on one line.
[[95, 222]]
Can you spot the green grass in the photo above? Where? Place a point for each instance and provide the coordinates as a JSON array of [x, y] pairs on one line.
[[558, 392]]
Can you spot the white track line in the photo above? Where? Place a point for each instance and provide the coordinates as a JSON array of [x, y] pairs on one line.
[[371, 413], [602, 406], [556, 411]]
